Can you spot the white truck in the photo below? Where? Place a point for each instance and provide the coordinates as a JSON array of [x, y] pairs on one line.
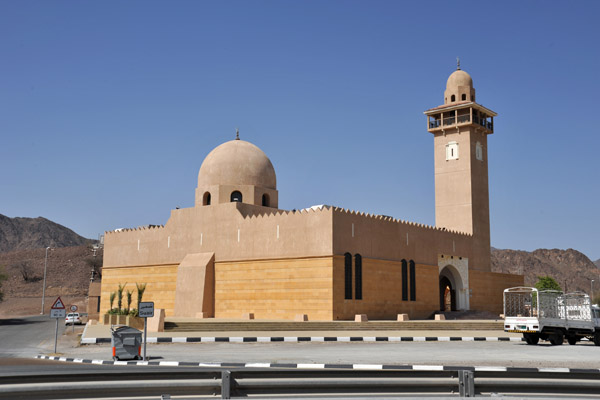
[[551, 315]]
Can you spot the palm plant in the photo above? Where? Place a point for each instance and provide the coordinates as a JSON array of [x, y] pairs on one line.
[[141, 288], [129, 294], [120, 296], [112, 299]]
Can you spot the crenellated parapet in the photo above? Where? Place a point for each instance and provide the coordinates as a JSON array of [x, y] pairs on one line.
[[389, 219], [139, 228], [257, 213]]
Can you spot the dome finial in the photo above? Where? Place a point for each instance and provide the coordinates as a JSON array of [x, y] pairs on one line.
[[457, 63], [237, 134]]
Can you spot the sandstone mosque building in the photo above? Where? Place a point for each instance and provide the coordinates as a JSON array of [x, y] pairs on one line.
[[236, 252]]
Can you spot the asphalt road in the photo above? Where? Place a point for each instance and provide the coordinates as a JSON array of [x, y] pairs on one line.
[[508, 354], [31, 336], [26, 336]]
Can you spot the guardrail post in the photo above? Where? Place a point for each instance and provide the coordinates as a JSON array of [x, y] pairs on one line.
[[226, 384], [466, 383]]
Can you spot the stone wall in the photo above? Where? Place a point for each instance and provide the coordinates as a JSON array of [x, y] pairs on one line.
[[382, 291], [488, 288], [160, 279], [275, 289]]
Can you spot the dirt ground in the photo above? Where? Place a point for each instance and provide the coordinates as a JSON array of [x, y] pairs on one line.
[[22, 307], [67, 275]]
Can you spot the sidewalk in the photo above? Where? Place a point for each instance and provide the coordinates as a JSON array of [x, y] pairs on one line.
[[101, 334]]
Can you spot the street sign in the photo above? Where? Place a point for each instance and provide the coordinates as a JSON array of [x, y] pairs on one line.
[[57, 313], [73, 308], [58, 304], [146, 309]]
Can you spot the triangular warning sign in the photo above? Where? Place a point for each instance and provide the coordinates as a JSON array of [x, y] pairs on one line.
[[58, 304]]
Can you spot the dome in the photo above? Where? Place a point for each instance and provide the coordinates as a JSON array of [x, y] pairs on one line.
[[237, 162], [459, 78]]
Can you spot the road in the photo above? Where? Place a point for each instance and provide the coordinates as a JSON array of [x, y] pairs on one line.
[[508, 354], [31, 336], [26, 336]]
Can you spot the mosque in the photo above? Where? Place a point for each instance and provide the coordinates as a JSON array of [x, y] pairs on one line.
[[236, 252]]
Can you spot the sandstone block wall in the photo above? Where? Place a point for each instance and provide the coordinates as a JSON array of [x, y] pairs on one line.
[[275, 289], [382, 291], [160, 279], [488, 287]]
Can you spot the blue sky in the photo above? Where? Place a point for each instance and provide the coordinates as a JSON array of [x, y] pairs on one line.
[[108, 108]]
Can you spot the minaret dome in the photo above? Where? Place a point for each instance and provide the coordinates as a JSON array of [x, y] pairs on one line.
[[459, 88]]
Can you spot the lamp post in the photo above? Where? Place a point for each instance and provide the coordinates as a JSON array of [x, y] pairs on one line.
[[592, 290], [44, 285]]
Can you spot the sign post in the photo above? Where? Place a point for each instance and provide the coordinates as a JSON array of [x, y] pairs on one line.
[[73, 309], [146, 310], [57, 311]]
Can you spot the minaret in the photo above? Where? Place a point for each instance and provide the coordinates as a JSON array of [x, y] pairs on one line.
[[460, 128]]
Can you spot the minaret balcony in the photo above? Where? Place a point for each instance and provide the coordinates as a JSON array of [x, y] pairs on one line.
[[456, 117]]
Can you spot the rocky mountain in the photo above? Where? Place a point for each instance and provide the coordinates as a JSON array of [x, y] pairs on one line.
[[571, 269], [597, 262], [32, 233]]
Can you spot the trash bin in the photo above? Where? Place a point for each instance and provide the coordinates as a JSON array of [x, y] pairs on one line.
[[126, 343]]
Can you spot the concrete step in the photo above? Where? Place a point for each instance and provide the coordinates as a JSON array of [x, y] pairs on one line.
[[215, 326]]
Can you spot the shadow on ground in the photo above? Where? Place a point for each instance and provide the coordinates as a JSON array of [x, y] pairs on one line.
[[18, 321]]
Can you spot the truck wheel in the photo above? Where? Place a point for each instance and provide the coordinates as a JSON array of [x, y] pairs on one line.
[[572, 340], [531, 338], [597, 338], [557, 339]]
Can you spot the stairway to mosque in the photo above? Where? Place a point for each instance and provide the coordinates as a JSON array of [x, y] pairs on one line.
[[211, 325]]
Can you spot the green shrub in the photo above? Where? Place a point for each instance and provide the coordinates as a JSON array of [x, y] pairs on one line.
[[547, 283]]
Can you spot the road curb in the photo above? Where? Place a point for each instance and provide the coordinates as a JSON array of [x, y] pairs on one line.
[[306, 366], [279, 339]]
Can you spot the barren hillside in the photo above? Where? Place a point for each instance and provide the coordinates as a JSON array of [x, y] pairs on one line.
[[570, 268], [68, 275]]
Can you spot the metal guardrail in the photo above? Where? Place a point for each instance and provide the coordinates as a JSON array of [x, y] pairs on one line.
[[231, 384]]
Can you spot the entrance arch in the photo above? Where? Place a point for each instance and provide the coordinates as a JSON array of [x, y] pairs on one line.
[[447, 295], [451, 290]]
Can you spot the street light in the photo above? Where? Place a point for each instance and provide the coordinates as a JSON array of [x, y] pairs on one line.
[[592, 290], [44, 286]]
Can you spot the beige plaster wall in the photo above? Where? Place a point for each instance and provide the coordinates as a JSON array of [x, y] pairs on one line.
[[453, 196], [480, 200], [387, 239], [461, 190], [275, 288], [250, 194], [233, 231], [195, 288]]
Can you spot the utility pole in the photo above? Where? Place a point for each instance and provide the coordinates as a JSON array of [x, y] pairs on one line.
[[44, 284]]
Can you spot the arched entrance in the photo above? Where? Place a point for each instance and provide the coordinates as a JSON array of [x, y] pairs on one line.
[[451, 286], [447, 295]]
